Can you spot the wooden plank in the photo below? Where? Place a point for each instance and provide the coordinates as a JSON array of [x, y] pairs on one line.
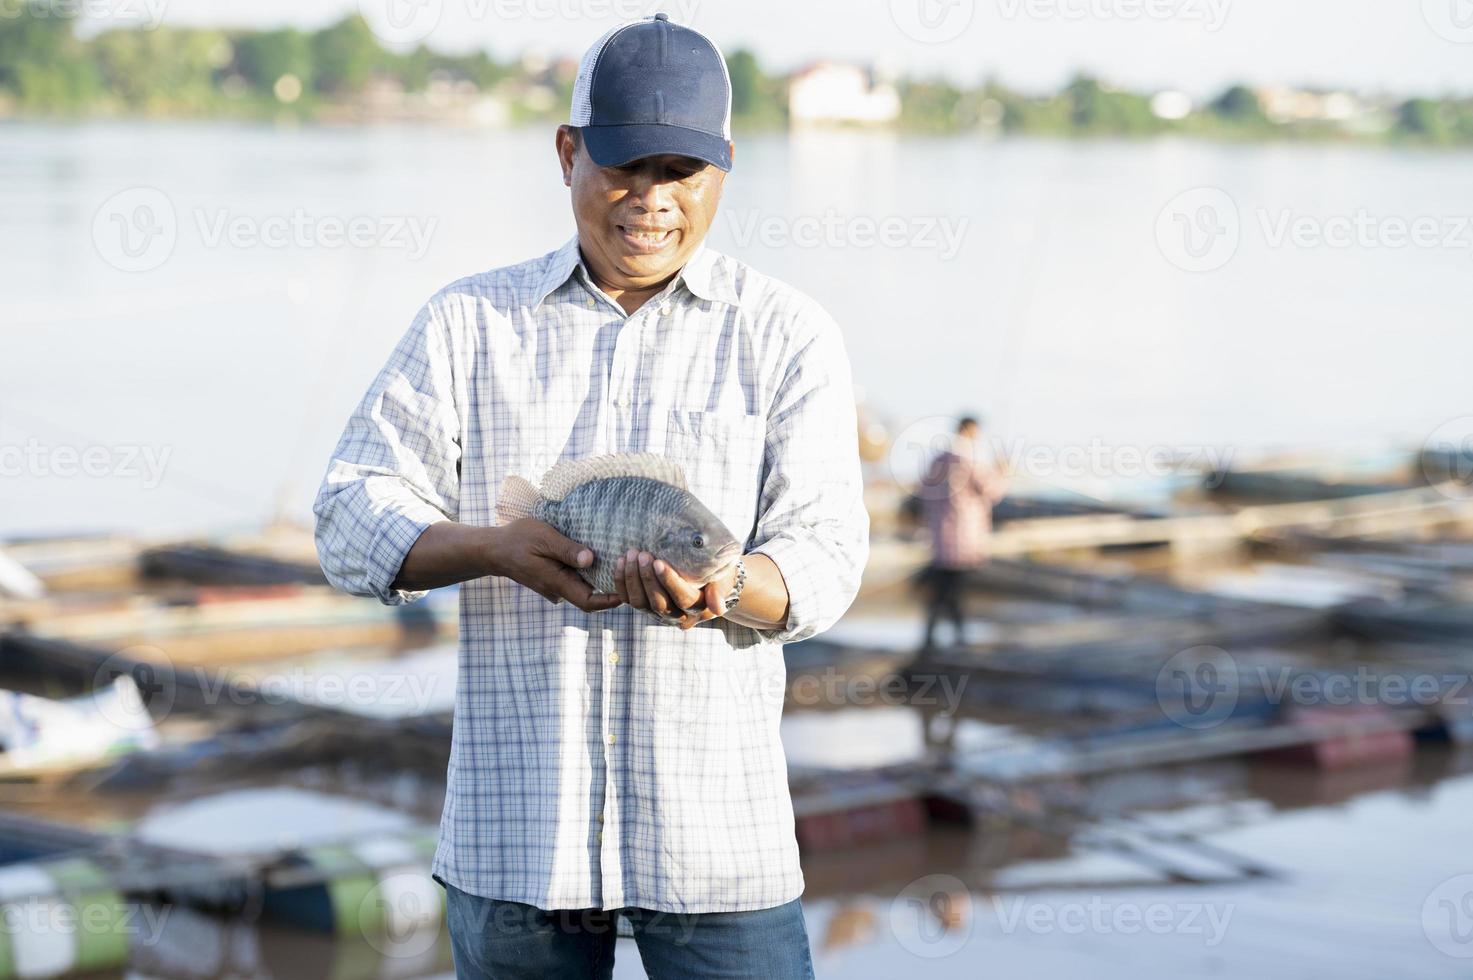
[[895, 561]]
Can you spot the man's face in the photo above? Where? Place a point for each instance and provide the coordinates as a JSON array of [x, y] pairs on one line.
[[639, 223]]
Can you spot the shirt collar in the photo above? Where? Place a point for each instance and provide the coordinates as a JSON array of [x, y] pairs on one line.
[[706, 273], [558, 267]]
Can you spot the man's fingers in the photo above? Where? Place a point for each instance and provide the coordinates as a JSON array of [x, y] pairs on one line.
[[619, 579], [683, 593], [634, 583], [660, 601], [580, 593], [565, 549]]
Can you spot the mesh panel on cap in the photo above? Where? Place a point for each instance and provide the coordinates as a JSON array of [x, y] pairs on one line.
[[581, 113], [721, 58]]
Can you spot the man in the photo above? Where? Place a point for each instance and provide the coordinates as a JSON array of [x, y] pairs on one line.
[[605, 761], [958, 492]]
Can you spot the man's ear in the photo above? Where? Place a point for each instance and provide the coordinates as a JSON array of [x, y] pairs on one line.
[[566, 151]]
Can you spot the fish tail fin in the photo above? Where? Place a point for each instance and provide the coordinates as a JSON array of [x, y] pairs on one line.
[[515, 499]]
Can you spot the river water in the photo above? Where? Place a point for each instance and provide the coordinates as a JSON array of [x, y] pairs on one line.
[[191, 309]]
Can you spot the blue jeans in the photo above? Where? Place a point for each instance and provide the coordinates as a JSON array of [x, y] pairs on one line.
[[496, 940]]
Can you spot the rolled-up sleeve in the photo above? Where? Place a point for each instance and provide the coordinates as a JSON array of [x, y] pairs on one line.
[[812, 521], [396, 468]]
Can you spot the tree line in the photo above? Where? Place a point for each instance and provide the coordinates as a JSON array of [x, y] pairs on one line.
[[46, 68]]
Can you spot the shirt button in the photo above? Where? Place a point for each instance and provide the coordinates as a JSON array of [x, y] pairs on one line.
[[665, 310], [600, 817], [613, 658], [622, 401], [611, 738], [600, 836], [588, 303]]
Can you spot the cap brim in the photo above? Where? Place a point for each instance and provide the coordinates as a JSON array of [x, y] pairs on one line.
[[614, 146]]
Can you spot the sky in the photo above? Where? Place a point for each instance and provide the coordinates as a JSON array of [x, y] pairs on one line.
[[1200, 46]]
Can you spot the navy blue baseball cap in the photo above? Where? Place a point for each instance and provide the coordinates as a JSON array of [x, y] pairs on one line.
[[650, 87]]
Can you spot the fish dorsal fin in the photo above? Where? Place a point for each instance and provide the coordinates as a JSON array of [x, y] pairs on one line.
[[559, 481]]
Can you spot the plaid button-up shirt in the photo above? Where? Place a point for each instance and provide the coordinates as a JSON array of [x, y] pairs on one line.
[[606, 759]]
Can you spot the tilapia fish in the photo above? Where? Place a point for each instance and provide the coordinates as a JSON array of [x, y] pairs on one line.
[[621, 501]]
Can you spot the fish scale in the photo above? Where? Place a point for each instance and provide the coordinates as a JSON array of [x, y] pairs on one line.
[[622, 501], [610, 517]]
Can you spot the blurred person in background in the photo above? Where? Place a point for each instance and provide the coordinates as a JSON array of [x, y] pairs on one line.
[[958, 492], [603, 765]]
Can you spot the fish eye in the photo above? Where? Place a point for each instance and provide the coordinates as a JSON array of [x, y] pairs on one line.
[[698, 540]]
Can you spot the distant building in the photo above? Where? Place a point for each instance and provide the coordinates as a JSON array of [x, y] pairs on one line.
[[833, 92], [1287, 105], [1171, 105]]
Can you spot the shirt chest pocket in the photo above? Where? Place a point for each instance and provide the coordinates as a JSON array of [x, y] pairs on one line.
[[721, 453]]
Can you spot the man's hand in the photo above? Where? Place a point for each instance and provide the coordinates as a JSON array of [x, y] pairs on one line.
[[646, 582], [533, 553]]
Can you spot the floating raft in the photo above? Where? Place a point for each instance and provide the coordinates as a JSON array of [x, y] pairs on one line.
[[53, 876], [68, 918], [1437, 621], [215, 623], [374, 887], [1122, 750], [211, 565], [841, 809], [1283, 486]]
